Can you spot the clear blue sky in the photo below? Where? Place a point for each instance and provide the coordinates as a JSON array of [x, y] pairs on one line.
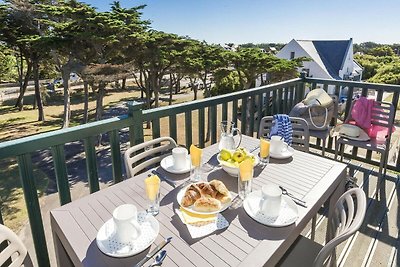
[[258, 21]]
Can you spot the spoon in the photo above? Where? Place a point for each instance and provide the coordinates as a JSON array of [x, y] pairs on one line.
[[159, 258]]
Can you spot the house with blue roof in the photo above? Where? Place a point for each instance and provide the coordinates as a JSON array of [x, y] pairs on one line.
[[330, 59]]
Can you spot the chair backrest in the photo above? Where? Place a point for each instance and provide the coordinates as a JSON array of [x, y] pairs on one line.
[[382, 114], [301, 132], [14, 250], [146, 154], [346, 220]]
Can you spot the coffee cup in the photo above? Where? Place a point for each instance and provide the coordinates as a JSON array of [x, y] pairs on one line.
[[179, 157], [127, 227], [277, 145], [271, 197]]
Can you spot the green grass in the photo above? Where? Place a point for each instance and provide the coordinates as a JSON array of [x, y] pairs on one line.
[[13, 208], [390, 99]]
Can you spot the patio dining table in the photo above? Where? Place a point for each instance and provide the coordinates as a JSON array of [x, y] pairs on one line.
[[244, 242]]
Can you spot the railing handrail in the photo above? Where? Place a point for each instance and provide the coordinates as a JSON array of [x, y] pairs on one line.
[[159, 112], [48, 139], [45, 140], [374, 86]]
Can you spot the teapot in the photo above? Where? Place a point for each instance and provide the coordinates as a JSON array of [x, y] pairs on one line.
[[227, 131]]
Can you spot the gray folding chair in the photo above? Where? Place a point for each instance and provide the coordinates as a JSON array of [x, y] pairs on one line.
[[382, 115], [345, 221], [14, 253], [147, 154], [301, 133], [324, 134]]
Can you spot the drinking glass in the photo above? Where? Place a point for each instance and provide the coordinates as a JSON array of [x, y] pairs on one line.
[[152, 185], [264, 150], [244, 181], [195, 156]]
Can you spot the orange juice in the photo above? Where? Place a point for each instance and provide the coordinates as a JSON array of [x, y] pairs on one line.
[[246, 170], [264, 147], [195, 155], [152, 184]]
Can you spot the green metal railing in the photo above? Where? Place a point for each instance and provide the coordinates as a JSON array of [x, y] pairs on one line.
[[244, 108]]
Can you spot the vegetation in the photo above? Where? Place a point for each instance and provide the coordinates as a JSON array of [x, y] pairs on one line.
[[381, 63], [105, 47]]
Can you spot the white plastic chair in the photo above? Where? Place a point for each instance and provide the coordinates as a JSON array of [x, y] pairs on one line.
[[14, 250], [149, 153], [346, 220]]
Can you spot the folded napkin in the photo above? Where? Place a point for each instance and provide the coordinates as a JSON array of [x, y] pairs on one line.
[[246, 170], [202, 225], [195, 155], [282, 127]]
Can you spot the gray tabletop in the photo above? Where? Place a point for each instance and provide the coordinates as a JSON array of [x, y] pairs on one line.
[[244, 243]]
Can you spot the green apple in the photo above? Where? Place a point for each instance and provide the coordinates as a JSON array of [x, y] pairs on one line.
[[225, 154], [238, 156]]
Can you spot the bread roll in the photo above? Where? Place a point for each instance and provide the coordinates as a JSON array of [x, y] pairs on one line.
[[207, 204], [191, 195], [223, 199], [207, 190], [220, 187]]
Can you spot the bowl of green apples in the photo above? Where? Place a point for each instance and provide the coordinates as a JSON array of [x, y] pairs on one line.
[[230, 159]]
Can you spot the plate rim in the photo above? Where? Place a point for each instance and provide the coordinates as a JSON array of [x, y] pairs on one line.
[[181, 192], [280, 156], [186, 170], [288, 200], [102, 248]]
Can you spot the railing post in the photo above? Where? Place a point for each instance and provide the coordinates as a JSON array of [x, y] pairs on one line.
[[116, 156], [91, 164], [136, 134], [302, 87], [61, 174], [33, 208]]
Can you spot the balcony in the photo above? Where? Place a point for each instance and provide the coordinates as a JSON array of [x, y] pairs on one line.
[[377, 242]]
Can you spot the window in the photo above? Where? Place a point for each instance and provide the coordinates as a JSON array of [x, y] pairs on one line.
[[291, 55]]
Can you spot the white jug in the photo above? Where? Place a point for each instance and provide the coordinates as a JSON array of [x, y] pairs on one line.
[[226, 141]]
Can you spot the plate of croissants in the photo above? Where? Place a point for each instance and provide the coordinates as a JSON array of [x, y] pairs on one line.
[[205, 197]]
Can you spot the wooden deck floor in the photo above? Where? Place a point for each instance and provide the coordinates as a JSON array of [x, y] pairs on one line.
[[377, 241]]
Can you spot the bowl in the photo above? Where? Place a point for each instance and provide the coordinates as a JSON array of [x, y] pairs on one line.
[[230, 169]]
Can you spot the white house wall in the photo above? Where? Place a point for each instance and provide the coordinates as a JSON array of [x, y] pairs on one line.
[[348, 66], [315, 70]]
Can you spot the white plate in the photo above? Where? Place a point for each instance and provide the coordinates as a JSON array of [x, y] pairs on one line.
[[167, 164], [284, 154], [287, 215], [181, 193], [108, 245]]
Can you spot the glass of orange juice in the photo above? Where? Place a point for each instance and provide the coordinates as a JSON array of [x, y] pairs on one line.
[[152, 185], [246, 173], [264, 150]]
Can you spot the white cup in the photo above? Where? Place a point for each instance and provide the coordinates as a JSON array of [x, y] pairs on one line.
[[270, 203], [277, 145], [125, 220], [179, 156]]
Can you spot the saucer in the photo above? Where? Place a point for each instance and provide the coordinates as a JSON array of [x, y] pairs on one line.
[[107, 243], [284, 154], [287, 215], [167, 164]]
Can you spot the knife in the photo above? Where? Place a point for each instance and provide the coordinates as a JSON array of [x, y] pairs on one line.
[[154, 252], [165, 178]]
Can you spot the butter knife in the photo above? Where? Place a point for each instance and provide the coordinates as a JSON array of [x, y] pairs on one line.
[[154, 252], [165, 178]]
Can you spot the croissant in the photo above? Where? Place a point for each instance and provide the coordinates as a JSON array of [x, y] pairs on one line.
[[207, 204], [224, 199], [191, 195], [207, 190], [220, 187]]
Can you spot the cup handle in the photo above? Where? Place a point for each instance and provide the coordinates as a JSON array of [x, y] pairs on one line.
[[240, 136], [136, 226], [285, 147]]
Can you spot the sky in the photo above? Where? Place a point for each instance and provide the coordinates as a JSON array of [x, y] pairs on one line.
[[271, 21]]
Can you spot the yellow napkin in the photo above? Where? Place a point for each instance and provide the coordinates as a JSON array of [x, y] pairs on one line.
[[195, 155], [152, 184], [192, 218], [246, 170], [264, 147]]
